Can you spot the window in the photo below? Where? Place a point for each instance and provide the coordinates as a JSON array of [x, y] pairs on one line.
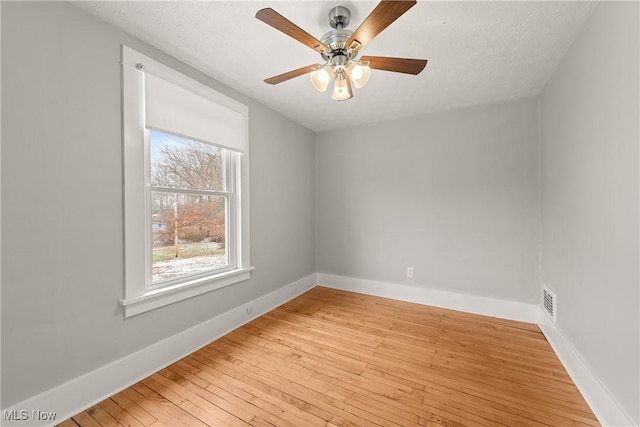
[[191, 198], [185, 186]]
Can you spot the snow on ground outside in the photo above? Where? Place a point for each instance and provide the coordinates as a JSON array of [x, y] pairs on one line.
[[170, 269]]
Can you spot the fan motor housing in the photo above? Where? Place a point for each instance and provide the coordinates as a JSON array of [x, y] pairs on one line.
[[336, 41]]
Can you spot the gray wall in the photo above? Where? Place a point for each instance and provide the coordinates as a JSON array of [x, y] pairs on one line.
[[590, 197], [452, 194], [62, 264]]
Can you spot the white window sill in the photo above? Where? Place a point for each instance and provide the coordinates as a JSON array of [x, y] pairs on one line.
[[165, 296]]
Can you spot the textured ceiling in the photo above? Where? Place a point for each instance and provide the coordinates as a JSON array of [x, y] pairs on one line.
[[478, 51]]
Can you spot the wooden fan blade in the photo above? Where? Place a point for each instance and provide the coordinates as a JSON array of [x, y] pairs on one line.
[[398, 65], [380, 18], [280, 23], [291, 74]]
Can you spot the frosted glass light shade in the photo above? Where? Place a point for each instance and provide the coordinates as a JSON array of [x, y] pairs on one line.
[[341, 89], [320, 78], [359, 74]]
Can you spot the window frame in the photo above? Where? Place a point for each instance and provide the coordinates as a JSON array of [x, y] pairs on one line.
[[138, 241]]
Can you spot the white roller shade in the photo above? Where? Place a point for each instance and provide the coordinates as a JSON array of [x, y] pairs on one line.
[[178, 110]]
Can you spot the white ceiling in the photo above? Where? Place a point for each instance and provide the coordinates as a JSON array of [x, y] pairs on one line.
[[478, 51]]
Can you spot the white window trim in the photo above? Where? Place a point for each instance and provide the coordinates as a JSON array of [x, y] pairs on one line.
[[137, 297]]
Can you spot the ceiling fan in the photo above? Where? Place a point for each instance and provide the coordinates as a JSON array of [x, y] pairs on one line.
[[339, 48]]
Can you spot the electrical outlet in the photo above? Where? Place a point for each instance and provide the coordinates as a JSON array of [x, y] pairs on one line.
[[249, 309], [409, 272]]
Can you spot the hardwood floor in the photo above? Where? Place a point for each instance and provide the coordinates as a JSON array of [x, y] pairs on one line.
[[335, 358]]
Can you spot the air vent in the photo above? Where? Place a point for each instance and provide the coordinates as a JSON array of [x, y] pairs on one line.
[[549, 303]]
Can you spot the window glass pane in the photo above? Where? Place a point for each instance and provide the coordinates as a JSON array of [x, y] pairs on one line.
[[178, 162], [189, 234]]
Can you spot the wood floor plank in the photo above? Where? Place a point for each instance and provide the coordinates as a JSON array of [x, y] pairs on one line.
[[334, 358], [84, 419], [231, 399], [351, 382], [119, 413], [192, 402], [387, 363], [272, 397], [305, 389], [166, 412], [133, 408], [103, 417]]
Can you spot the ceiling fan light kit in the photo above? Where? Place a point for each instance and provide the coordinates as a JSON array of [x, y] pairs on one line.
[[339, 48]]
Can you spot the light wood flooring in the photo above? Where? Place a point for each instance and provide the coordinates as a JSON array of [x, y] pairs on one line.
[[335, 358]]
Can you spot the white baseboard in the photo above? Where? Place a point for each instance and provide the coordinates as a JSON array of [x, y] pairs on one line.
[[82, 392], [503, 309], [603, 405]]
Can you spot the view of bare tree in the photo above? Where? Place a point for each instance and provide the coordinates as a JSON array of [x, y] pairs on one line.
[[190, 165], [182, 222]]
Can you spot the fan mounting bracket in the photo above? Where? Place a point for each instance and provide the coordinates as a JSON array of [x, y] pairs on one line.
[[339, 17]]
